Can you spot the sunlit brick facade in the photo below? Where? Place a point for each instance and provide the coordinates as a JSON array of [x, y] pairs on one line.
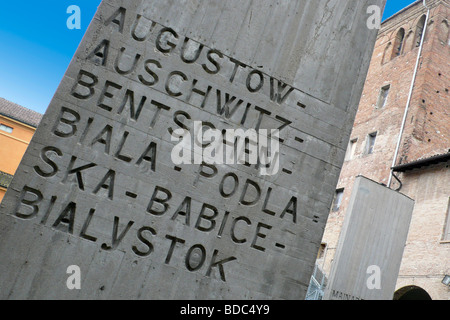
[[426, 137]]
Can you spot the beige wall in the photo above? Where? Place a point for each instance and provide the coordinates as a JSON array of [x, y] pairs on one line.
[[426, 258], [13, 146]]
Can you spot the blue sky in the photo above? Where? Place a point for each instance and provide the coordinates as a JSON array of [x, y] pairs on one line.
[[36, 46]]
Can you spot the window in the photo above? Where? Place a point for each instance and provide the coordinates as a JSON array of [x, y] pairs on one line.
[[398, 45], [322, 249], [419, 30], [409, 41], [6, 128], [351, 149], [386, 54], [443, 32], [446, 236], [338, 200], [382, 99], [5, 179], [371, 142]]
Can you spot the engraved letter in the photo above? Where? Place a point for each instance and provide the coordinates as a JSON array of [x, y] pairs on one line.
[[117, 239], [89, 85], [66, 217], [144, 241], [32, 203], [162, 43], [100, 52], [48, 161], [69, 119], [161, 201], [117, 18], [203, 216], [218, 264]]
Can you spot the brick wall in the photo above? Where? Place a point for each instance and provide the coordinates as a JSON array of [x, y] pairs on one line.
[[427, 129]]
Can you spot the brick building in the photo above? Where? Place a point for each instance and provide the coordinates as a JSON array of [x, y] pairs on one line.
[[17, 126], [421, 156]]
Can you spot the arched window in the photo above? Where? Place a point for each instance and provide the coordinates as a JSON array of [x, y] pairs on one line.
[[419, 30], [398, 43], [443, 32], [409, 41], [386, 56]]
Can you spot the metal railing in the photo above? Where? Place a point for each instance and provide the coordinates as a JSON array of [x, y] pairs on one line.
[[316, 285], [5, 179]]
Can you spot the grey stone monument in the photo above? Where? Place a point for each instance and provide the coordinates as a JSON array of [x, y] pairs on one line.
[[371, 243], [98, 195]]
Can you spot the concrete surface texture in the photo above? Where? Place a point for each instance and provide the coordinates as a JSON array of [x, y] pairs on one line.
[[97, 188], [371, 243]]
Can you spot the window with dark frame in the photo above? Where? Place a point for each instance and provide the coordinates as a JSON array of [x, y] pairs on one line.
[[383, 97], [338, 200], [351, 150], [371, 138], [6, 128], [387, 55], [398, 45], [419, 30], [322, 249]]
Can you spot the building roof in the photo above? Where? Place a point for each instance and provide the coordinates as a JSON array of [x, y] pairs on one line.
[[16, 112], [440, 158]]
